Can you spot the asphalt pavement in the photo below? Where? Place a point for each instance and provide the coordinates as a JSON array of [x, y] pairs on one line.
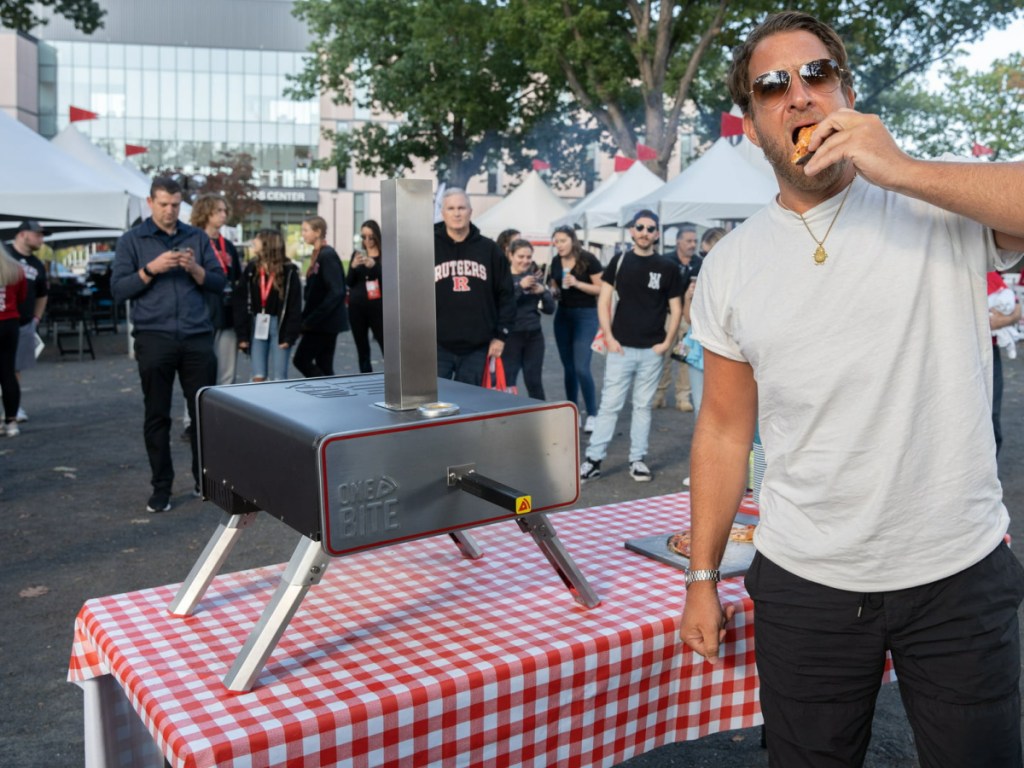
[[73, 491]]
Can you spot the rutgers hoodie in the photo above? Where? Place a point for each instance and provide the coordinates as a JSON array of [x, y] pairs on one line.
[[473, 289]]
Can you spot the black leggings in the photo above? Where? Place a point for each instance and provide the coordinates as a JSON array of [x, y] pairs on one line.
[[315, 354], [365, 317], [8, 381]]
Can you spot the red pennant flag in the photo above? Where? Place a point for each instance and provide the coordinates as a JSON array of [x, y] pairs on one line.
[[731, 125], [540, 165], [643, 152], [978, 150], [134, 149], [75, 114], [623, 163]]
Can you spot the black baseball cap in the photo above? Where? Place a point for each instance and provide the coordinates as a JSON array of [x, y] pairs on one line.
[[31, 225], [646, 213]]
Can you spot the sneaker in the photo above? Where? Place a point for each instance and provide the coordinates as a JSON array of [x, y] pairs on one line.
[[22, 416], [160, 501], [686, 481], [685, 406], [590, 469], [186, 436], [11, 429], [589, 425], [639, 471], [197, 492]]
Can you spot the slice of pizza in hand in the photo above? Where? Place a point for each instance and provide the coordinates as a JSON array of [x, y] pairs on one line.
[[801, 154]]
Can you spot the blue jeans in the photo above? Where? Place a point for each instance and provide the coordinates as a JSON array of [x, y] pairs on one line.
[[696, 387], [267, 350], [640, 367], [575, 328]]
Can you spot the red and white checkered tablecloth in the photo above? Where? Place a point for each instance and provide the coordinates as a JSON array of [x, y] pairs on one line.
[[413, 655]]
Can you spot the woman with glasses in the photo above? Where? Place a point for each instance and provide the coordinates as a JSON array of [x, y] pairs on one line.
[[268, 307], [323, 313], [365, 306], [575, 278]]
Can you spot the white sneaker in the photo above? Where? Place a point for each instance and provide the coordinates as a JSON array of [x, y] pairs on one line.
[[686, 481], [639, 471], [22, 416], [588, 427], [11, 429]]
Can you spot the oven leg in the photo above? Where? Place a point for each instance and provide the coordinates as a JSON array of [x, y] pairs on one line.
[[209, 563], [467, 545], [538, 526], [306, 568]]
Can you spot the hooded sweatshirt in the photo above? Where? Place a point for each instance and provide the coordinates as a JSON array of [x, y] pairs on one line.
[[473, 290]]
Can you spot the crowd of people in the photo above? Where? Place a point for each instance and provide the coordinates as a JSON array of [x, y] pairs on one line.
[[882, 524]]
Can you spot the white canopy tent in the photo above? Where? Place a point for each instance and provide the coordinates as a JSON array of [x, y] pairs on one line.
[[40, 181], [80, 147], [597, 214], [528, 208], [720, 185]]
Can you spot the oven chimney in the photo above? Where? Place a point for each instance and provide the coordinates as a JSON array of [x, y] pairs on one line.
[[410, 322]]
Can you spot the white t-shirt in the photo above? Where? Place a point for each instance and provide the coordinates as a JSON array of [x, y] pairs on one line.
[[874, 379]]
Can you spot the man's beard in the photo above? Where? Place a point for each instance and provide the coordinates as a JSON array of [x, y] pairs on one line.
[[779, 159]]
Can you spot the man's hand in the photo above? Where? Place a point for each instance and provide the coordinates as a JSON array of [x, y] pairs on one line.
[[496, 348], [165, 261], [613, 344], [662, 348], [704, 620], [865, 141]]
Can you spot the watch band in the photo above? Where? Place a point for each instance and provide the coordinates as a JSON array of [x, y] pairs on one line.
[[146, 272], [703, 575]]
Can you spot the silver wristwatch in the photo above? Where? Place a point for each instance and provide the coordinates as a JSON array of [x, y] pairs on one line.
[[703, 575]]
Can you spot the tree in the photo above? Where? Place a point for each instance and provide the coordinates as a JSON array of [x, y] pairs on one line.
[[986, 108], [232, 178], [450, 72], [86, 15], [634, 65]]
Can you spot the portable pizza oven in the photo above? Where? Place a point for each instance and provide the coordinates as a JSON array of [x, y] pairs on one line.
[[358, 462]]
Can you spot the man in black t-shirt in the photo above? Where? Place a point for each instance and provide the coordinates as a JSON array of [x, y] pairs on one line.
[[27, 242], [649, 289]]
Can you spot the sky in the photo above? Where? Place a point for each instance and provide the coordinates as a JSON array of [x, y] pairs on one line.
[[997, 44]]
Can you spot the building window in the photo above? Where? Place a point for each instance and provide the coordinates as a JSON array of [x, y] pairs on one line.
[[358, 212]]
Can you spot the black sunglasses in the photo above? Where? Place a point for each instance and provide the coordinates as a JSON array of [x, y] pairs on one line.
[[822, 75], [645, 228]]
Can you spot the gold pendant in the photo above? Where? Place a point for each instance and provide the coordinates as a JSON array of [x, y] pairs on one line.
[[820, 255]]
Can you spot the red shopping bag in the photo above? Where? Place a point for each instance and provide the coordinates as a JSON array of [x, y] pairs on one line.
[[494, 377]]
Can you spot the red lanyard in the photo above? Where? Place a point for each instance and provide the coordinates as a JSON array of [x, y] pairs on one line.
[[265, 286], [222, 254]]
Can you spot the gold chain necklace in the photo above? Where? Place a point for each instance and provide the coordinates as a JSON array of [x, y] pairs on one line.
[[820, 254]]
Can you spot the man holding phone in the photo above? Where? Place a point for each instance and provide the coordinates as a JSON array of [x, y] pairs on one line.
[[165, 267]]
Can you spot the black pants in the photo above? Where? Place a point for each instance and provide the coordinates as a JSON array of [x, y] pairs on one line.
[[365, 317], [955, 648], [467, 367], [315, 354], [161, 356], [9, 332], [524, 350]]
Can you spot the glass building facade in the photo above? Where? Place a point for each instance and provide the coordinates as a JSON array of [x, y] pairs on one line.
[[190, 105]]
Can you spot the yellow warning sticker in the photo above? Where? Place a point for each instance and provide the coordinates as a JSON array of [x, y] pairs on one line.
[[524, 504]]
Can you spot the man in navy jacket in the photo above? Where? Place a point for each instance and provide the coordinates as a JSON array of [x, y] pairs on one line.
[[164, 267]]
